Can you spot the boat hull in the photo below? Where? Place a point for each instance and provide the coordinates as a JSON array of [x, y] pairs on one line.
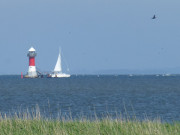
[[59, 75]]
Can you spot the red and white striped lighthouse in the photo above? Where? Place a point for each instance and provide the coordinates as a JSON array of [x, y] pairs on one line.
[[32, 73]]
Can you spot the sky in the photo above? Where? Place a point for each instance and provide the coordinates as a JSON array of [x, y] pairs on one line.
[[95, 36]]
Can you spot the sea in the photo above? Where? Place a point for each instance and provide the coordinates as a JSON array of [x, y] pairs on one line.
[[94, 96]]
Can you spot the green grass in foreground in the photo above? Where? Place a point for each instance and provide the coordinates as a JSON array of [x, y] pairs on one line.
[[33, 124], [36, 126]]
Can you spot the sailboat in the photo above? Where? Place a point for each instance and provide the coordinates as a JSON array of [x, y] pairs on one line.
[[58, 69]]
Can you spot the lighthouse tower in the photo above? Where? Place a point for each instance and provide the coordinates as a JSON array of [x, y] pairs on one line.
[[32, 73]]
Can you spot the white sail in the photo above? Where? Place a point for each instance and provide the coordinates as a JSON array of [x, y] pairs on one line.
[[58, 67]]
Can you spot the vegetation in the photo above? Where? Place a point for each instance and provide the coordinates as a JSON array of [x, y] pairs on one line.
[[33, 124]]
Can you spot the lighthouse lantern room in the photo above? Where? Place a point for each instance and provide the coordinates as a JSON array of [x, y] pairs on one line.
[[32, 73]]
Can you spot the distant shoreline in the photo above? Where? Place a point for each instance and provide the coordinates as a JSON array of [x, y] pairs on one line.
[[107, 74]]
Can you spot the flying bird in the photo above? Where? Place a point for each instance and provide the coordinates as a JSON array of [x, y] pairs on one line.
[[154, 17]]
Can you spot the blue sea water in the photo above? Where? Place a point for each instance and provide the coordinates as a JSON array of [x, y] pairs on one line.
[[146, 96]]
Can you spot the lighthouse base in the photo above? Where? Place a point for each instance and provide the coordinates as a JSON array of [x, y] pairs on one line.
[[26, 76], [32, 72]]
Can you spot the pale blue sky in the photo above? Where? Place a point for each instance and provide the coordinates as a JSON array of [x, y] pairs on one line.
[[95, 35]]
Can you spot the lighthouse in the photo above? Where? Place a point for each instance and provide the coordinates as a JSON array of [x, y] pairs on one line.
[[32, 73]]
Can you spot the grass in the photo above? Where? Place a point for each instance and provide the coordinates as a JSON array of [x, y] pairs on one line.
[[33, 124]]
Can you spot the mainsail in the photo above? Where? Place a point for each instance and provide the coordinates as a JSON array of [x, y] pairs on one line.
[[58, 67]]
